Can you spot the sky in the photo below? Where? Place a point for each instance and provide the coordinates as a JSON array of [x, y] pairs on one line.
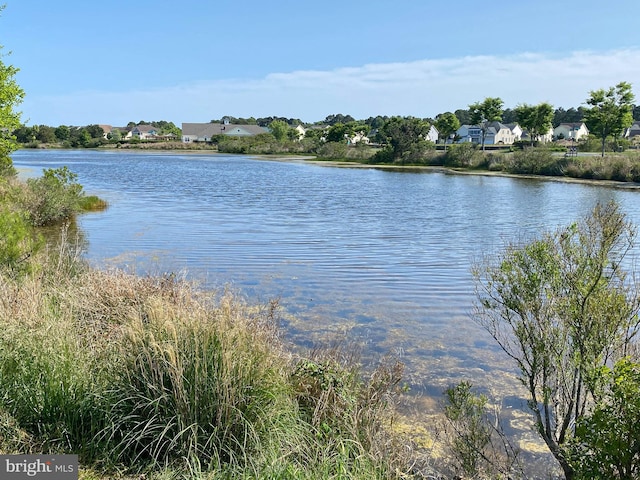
[[84, 62]]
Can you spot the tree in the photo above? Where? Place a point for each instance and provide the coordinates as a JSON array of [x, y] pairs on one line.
[[115, 135], [11, 95], [45, 134], [568, 116], [337, 133], [611, 111], [376, 122], [63, 133], [485, 112], [464, 116], [338, 118], [95, 131], [279, 130], [537, 119], [475, 436], [509, 116], [561, 308], [24, 134], [406, 137], [447, 124], [167, 128]]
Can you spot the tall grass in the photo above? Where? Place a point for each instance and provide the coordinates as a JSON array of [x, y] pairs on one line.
[[151, 374]]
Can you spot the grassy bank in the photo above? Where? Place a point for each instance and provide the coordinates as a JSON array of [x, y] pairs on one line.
[[152, 375]]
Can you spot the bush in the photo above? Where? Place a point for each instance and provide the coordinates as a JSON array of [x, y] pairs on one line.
[[384, 155], [620, 168], [463, 155], [53, 197], [607, 439], [536, 161], [333, 150], [17, 243]]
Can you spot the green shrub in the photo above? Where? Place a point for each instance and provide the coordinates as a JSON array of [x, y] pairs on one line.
[[384, 155], [536, 161], [333, 151], [620, 168], [91, 203], [607, 440], [6, 166], [464, 155], [17, 243], [53, 197]]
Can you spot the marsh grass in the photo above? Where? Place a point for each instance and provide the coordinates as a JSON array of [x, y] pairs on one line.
[[92, 203], [153, 375], [617, 167]]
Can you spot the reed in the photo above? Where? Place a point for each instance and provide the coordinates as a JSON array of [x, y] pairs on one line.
[[153, 375]]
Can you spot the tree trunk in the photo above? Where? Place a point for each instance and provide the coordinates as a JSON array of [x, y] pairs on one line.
[[604, 138]]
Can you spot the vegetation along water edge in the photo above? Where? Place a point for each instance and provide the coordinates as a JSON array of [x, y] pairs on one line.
[[153, 377]]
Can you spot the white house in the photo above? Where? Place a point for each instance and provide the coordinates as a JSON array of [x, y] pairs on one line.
[[547, 137], [496, 133], [356, 138], [516, 130], [571, 131], [301, 131], [433, 134], [143, 132]]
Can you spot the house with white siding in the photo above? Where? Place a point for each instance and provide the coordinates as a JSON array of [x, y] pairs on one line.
[[571, 131], [516, 130], [433, 134], [496, 133], [142, 132]]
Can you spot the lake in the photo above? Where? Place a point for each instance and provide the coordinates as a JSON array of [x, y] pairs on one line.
[[379, 258]]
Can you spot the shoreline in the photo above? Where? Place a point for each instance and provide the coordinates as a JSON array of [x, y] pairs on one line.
[[313, 160], [454, 171]]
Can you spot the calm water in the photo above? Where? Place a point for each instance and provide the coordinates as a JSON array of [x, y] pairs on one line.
[[380, 258]]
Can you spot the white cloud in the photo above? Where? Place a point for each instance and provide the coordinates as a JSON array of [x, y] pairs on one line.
[[421, 88]]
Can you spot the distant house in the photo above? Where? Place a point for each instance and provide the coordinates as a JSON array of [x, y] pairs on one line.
[[433, 134], [633, 132], [301, 131], [356, 138], [547, 137], [141, 132], [570, 131], [203, 132], [496, 133], [516, 130], [106, 130]]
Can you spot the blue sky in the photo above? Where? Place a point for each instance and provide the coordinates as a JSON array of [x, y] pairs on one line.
[[84, 62]]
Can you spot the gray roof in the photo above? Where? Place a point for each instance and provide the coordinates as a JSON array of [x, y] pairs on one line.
[[208, 130], [571, 124]]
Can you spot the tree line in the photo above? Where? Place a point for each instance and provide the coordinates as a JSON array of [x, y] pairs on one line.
[[89, 136]]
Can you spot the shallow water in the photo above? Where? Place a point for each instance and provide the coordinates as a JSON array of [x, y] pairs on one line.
[[376, 257]]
